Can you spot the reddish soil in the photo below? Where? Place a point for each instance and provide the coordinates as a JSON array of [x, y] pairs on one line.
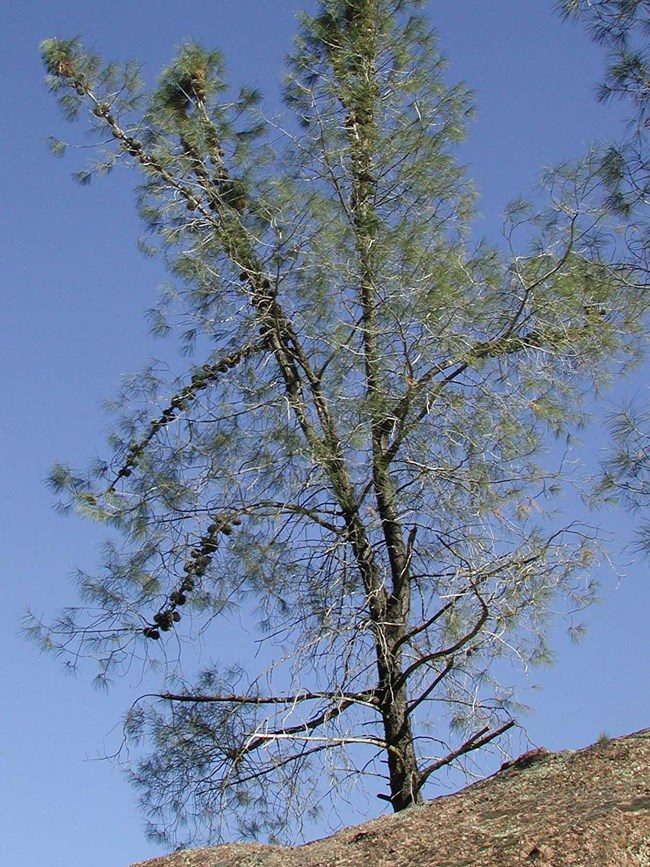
[[589, 808]]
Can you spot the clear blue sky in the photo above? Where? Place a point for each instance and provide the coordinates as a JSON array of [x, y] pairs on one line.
[[73, 291]]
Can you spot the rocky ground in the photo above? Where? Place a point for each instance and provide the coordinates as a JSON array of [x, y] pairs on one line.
[[589, 808]]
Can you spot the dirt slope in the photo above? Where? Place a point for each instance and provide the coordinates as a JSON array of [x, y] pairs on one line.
[[589, 808]]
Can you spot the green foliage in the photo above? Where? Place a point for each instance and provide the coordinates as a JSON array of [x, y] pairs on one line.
[[625, 473], [359, 466], [623, 27]]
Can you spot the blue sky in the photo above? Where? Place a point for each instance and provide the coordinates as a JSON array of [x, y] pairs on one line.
[[74, 289]]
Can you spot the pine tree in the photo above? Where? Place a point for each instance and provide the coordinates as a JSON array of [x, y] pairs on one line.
[[359, 462]]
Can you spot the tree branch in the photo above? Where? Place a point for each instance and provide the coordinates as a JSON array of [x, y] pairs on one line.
[[474, 743], [366, 697]]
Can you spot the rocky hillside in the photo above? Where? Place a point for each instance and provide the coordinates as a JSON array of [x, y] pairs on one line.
[[589, 808]]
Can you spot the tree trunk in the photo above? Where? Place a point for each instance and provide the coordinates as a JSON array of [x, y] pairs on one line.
[[402, 760]]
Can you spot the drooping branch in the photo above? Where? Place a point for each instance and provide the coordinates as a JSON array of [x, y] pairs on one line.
[[195, 566], [207, 376]]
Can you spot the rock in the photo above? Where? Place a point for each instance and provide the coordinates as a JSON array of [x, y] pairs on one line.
[[589, 808]]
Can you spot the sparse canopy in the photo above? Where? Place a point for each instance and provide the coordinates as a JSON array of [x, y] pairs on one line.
[[356, 463], [623, 26]]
